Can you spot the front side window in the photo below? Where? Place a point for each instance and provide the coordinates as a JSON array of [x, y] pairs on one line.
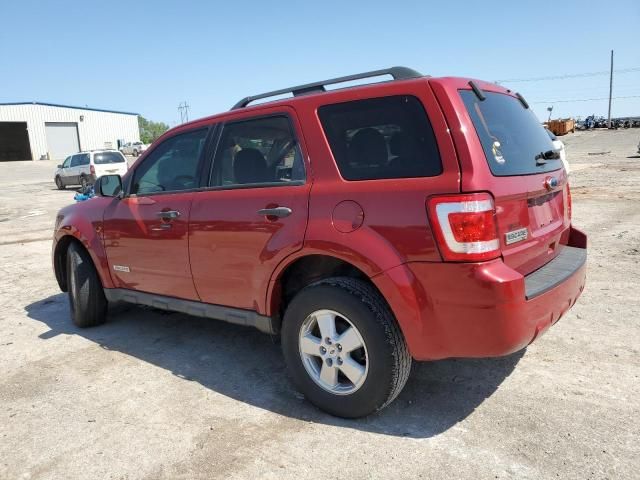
[[108, 157], [259, 151], [172, 166], [377, 138], [67, 162]]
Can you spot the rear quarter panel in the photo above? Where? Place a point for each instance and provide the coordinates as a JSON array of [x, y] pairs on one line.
[[395, 227]]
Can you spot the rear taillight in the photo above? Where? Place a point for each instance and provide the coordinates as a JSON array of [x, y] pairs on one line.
[[465, 226], [92, 169], [568, 202]]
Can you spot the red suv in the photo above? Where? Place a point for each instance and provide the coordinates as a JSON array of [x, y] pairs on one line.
[[417, 218]]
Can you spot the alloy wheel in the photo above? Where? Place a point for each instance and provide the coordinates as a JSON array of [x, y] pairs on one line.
[[333, 352]]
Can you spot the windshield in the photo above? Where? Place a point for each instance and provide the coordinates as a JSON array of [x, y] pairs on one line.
[[107, 157], [513, 139]]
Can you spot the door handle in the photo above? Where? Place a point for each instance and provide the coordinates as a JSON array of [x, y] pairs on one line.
[[162, 227], [279, 212], [168, 214]]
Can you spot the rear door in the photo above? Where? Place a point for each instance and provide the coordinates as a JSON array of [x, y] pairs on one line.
[[84, 166], [146, 233], [254, 212], [505, 150]]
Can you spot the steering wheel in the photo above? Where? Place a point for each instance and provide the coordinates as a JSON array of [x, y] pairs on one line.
[[159, 187]]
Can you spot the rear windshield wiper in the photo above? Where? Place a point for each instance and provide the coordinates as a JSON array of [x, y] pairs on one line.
[[542, 157]]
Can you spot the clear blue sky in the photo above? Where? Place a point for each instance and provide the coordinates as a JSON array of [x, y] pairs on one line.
[[147, 57]]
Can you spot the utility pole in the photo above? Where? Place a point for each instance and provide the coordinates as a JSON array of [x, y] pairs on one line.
[[183, 108], [610, 90]]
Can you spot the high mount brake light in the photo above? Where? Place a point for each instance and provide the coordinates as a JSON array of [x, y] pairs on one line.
[[465, 226]]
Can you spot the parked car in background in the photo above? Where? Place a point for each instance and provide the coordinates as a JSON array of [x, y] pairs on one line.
[[558, 146], [133, 148], [85, 167], [435, 223]]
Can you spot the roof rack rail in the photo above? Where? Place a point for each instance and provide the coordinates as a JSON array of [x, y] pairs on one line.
[[398, 73]]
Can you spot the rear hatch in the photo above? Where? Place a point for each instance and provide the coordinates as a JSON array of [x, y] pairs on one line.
[[109, 163], [512, 157]]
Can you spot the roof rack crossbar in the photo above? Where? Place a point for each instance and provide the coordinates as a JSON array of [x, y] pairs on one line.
[[398, 73]]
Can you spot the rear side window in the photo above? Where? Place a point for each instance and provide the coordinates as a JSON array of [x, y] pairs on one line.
[[107, 157], [261, 151], [511, 135], [377, 138], [80, 160]]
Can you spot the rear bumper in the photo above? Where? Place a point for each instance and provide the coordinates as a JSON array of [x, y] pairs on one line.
[[483, 309]]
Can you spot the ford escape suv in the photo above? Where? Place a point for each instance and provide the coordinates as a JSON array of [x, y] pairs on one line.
[[417, 218]]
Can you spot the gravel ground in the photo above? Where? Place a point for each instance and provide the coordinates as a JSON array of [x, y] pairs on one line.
[[163, 396]]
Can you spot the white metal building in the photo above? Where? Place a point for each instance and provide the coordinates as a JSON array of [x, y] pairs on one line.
[[33, 131]]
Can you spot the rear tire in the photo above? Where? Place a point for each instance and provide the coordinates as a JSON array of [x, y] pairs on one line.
[[135, 153], [382, 361], [84, 184], [86, 296]]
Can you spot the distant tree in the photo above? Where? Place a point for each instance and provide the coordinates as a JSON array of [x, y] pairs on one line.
[[149, 130]]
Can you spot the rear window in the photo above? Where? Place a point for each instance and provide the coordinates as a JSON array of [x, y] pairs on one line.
[[389, 137], [107, 157], [511, 135]]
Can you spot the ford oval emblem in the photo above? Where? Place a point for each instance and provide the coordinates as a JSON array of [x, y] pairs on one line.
[[550, 183]]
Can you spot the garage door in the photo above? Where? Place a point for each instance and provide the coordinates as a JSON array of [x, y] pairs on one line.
[[62, 139], [14, 141]]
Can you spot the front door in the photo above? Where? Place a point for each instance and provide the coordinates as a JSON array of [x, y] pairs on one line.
[[254, 214], [64, 172], [72, 173], [146, 233]]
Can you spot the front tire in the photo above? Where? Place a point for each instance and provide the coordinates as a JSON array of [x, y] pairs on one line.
[[59, 183], [86, 296], [343, 347]]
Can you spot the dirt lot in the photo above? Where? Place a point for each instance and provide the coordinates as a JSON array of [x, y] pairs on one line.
[[153, 395]]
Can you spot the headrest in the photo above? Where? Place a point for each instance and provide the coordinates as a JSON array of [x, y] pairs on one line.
[[249, 166]]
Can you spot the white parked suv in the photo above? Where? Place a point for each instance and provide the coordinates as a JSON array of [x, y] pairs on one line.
[[85, 167], [133, 148]]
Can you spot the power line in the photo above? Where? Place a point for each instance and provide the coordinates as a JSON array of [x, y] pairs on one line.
[[183, 108], [586, 99], [570, 75]]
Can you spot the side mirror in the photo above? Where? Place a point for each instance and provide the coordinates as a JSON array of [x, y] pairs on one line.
[[60, 166], [108, 186]]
